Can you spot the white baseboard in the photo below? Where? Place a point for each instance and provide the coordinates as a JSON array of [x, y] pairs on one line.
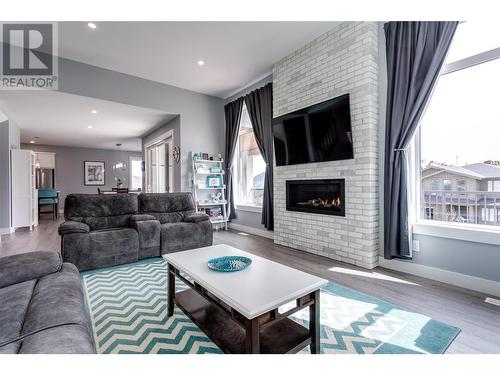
[[6, 230], [252, 230], [449, 277]]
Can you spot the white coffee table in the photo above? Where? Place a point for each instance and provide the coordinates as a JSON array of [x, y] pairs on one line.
[[239, 310]]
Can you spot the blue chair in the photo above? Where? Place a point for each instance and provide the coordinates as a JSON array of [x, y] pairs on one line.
[[48, 197]]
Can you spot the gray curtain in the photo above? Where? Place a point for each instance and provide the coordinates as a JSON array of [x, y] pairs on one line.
[[415, 54], [232, 113], [260, 109]]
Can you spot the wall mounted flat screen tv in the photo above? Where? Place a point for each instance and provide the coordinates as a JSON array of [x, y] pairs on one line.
[[321, 132]]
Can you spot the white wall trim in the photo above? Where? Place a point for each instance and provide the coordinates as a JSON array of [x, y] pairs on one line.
[[454, 278], [248, 208], [6, 230], [459, 231], [252, 230]]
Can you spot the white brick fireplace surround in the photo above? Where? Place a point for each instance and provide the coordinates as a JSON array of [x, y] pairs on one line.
[[341, 61]]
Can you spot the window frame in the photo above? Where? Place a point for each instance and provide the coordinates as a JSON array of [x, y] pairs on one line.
[[236, 175], [481, 233]]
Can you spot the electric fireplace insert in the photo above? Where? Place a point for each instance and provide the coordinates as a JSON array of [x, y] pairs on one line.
[[325, 197]]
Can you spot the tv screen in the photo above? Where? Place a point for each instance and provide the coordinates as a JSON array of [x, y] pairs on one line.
[[321, 132]]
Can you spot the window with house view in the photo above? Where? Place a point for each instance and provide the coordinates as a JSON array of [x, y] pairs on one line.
[[249, 167], [460, 132]]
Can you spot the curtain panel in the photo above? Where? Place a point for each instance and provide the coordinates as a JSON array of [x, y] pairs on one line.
[[416, 52], [232, 112], [259, 104]]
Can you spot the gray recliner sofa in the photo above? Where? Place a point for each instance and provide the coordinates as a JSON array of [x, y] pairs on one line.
[[42, 308], [106, 230], [181, 227]]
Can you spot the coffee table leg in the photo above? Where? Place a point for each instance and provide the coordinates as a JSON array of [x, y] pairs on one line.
[[314, 323], [252, 344], [171, 290]]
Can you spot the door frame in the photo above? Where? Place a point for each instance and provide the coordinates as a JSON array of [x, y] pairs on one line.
[[168, 138]]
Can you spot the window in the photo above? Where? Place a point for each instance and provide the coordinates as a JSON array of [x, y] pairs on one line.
[[135, 173], [494, 186], [435, 185], [459, 132], [249, 167], [461, 184], [446, 184]]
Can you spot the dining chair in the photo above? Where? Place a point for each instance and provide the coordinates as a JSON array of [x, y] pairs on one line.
[[48, 197]]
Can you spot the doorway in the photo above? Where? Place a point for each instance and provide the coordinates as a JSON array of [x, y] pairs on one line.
[[159, 167]]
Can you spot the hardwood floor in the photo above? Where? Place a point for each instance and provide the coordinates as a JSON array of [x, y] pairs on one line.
[[479, 321]]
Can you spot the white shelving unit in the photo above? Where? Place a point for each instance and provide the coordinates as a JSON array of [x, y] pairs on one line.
[[201, 191]]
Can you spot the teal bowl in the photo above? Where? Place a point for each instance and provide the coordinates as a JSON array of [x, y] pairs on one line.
[[231, 263]]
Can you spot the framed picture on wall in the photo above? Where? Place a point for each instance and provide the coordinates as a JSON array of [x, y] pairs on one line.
[[93, 173]]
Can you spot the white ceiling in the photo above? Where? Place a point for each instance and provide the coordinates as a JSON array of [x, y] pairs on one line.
[[235, 53], [63, 119]]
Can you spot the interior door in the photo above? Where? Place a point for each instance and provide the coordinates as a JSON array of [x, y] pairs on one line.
[[157, 168]]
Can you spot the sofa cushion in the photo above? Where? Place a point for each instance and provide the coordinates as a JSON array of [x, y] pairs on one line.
[[57, 299], [67, 339], [101, 211], [112, 246], [70, 227], [27, 266], [167, 207], [15, 301], [183, 236]]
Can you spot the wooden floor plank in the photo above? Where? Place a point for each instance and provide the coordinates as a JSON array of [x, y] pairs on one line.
[[466, 309]]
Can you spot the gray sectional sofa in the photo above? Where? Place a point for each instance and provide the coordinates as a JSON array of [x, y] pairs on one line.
[[106, 230], [42, 307]]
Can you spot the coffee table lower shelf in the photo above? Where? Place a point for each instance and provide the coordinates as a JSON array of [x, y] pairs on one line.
[[282, 336]]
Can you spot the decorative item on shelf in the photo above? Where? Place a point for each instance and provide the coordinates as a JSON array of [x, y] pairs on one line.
[[231, 263], [215, 170], [216, 197], [202, 201], [176, 153], [196, 156], [93, 173], [220, 157], [201, 168], [204, 156], [214, 181], [211, 158], [119, 182], [215, 214]]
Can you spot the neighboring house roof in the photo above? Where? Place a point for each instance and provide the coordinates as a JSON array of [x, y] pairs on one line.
[[486, 170], [455, 170], [479, 171], [258, 181]]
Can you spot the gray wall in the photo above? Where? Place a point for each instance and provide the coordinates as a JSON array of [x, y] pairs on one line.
[[248, 218], [69, 167], [175, 125], [4, 176], [201, 116], [469, 258]]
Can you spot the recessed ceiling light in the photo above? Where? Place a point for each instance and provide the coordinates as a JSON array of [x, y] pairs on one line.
[[94, 112], [92, 25], [90, 127], [32, 141], [201, 62]]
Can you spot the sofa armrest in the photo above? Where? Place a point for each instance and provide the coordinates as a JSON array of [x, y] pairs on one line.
[[18, 268], [195, 217], [70, 227], [134, 219]]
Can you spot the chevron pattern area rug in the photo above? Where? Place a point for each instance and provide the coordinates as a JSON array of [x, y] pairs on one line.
[[127, 307]]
